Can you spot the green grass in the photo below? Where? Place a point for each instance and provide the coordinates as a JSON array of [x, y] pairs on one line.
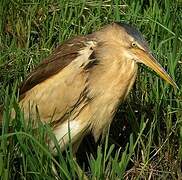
[[145, 139]]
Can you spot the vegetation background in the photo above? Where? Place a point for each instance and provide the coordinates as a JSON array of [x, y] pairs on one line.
[[145, 139]]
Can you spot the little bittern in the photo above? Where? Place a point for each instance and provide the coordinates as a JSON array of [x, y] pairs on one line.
[[84, 81]]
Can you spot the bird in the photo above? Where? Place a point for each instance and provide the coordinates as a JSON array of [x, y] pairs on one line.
[[78, 88]]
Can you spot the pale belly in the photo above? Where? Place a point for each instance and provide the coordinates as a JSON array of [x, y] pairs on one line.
[[94, 117]]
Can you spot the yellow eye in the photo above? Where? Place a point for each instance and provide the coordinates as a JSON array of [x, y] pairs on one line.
[[134, 44]]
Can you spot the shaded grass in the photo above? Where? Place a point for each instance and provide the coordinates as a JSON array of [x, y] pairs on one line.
[[147, 130]]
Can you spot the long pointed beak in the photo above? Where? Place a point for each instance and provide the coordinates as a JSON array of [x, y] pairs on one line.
[[147, 59]]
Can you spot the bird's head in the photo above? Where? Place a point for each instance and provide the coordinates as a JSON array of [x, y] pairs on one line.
[[135, 48]]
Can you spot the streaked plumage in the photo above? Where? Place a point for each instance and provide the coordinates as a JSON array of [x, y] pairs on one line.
[[85, 80]]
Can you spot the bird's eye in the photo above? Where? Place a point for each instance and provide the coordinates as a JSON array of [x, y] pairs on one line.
[[134, 44]]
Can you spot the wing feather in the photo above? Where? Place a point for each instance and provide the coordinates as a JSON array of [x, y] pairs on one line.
[[59, 59], [56, 85]]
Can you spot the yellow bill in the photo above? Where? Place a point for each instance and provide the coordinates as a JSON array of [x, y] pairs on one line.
[[147, 59]]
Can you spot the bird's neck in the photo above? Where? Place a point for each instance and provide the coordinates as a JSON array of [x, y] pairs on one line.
[[110, 83], [113, 74]]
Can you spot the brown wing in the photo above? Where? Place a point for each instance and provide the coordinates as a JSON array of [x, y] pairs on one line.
[[56, 86], [61, 57]]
